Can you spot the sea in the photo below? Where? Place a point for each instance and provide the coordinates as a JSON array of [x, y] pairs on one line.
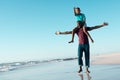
[[63, 70]]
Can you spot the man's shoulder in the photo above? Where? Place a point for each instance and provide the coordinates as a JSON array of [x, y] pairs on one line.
[[88, 28]]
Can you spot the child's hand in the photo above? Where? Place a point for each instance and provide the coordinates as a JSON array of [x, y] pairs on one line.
[[57, 33], [71, 41]]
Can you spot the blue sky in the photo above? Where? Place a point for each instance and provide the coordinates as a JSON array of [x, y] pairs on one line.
[[27, 28]]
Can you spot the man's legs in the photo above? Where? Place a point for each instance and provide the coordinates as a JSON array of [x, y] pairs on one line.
[[87, 57], [80, 54]]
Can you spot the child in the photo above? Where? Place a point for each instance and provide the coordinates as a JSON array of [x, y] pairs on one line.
[[81, 22]]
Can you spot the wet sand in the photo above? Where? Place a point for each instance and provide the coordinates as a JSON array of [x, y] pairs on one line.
[[65, 70]]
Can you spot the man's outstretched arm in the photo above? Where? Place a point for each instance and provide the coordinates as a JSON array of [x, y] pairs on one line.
[[66, 32], [99, 26]]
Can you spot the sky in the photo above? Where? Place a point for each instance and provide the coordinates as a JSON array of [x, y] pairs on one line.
[[27, 28]]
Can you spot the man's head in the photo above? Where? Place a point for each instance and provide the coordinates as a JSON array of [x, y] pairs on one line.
[[80, 24], [77, 10]]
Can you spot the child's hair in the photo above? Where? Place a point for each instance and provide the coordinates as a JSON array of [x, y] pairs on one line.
[[77, 8]]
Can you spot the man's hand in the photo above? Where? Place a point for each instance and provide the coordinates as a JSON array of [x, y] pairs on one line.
[[57, 33], [105, 24]]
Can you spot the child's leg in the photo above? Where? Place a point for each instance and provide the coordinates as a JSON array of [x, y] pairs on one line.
[[73, 34], [79, 25], [86, 32]]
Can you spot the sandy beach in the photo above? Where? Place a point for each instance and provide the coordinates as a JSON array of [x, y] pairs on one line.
[[67, 70]]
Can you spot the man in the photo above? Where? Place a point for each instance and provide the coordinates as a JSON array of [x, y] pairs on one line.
[[83, 45]]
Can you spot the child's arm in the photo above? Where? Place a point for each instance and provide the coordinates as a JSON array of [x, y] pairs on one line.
[[86, 32]]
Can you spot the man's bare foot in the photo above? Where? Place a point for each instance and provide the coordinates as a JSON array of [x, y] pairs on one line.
[[105, 23], [80, 71], [87, 71]]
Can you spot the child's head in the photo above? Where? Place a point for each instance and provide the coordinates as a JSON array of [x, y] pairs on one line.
[[77, 10]]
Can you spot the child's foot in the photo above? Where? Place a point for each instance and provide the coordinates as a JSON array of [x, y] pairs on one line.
[[71, 42], [80, 71]]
